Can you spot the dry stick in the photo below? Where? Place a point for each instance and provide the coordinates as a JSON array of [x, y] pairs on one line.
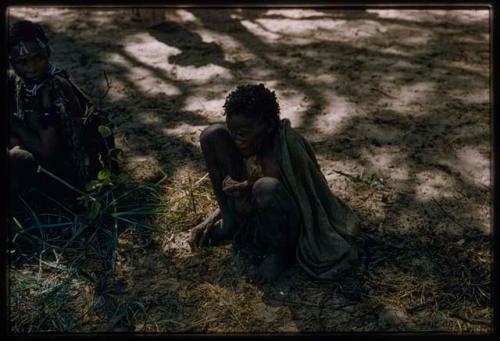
[[199, 181], [53, 176], [161, 180], [344, 174], [165, 176], [383, 93], [108, 85], [472, 321], [448, 215]]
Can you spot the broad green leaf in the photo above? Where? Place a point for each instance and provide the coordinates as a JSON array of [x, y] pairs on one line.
[[94, 210], [103, 174], [104, 131]]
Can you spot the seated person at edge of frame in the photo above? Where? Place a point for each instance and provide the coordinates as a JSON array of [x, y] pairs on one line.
[[53, 125], [274, 201]]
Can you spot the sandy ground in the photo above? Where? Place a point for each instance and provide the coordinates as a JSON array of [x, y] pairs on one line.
[[397, 107]]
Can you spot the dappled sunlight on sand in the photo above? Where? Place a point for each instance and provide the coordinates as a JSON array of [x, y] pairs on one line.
[[471, 164], [434, 185], [388, 160], [328, 124], [421, 93]]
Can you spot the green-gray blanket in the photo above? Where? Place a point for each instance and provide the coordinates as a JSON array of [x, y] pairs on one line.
[[326, 243]]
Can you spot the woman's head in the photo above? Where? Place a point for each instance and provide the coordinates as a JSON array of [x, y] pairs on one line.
[[252, 113], [28, 50]]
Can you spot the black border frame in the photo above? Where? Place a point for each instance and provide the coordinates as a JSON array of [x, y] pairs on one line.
[[353, 4]]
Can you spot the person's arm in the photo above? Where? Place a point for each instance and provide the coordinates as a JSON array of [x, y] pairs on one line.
[[41, 143], [59, 96], [59, 103]]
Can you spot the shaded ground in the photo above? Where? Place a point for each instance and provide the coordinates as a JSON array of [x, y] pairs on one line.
[[396, 105]]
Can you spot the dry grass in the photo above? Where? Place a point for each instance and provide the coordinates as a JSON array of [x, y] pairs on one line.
[[166, 288]]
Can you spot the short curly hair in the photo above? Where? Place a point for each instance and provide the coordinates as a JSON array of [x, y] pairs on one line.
[[25, 30], [253, 100]]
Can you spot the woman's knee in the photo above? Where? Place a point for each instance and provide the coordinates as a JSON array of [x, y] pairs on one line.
[[23, 169], [213, 134], [22, 160], [265, 190]]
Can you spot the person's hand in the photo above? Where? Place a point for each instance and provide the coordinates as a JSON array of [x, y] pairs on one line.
[[234, 188], [23, 168], [199, 235]]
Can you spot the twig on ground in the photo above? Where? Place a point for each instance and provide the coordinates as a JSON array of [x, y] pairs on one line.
[[55, 177], [472, 321], [344, 174], [200, 180], [108, 85], [165, 176], [447, 214], [383, 93]]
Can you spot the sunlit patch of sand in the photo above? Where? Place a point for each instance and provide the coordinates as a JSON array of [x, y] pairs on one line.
[[234, 50], [296, 32], [388, 161], [154, 55], [292, 106], [209, 107], [147, 49], [434, 184], [149, 118], [473, 96], [335, 111], [146, 79], [471, 164], [424, 15], [421, 93]]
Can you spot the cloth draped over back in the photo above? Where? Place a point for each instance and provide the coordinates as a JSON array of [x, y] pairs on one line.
[[329, 227]]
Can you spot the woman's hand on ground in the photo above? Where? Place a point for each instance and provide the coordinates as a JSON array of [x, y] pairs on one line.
[[200, 235]]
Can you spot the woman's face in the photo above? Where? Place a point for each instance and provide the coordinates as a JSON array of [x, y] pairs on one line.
[[248, 133], [29, 61]]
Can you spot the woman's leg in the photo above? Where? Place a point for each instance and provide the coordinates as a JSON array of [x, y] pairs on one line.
[[278, 221], [222, 159]]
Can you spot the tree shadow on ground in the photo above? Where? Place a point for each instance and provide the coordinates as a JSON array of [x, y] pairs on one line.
[[194, 51], [426, 136]]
